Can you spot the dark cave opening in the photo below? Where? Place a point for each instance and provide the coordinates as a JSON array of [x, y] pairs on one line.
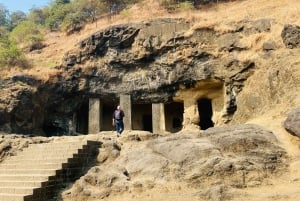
[[205, 113], [51, 129], [174, 116], [107, 110], [147, 123], [82, 118], [141, 117]]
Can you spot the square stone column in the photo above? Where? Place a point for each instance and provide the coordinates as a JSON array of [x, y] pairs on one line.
[[73, 128], [158, 118], [125, 103], [191, 114], [94, 116]]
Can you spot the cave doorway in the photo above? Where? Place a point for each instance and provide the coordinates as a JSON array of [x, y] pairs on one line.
[[82, 118], [205, 113], [141, 117], [52, 127], [174, 116], [147, 123], [107, 110]]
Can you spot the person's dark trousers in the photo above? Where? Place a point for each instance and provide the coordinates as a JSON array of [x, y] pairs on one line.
[[119, 126]]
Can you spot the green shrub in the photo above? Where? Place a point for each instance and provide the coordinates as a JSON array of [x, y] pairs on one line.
[[73, 22], [10, 54], [29, 35], [38, 16], [56, 16], [185, 6], [126, 14]]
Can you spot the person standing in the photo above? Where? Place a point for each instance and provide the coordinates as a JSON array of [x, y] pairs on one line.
[[117, 120]]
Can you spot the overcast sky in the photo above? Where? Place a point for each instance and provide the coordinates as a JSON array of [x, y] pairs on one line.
[[23, 5]]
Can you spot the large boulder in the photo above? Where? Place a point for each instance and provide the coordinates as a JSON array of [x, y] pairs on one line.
[[292, 122], [236, 156]]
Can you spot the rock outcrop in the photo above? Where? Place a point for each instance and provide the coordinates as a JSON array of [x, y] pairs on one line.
[[21, 107], [235, 157], [291, 36], [292, 122], [156, 61]]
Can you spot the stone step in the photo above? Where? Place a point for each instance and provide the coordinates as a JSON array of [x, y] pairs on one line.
[[37, 162], [23, 183], [64, 145], [12, 197], [25, 162], [52, 149], [37, 172], [31, 166], [26, 190], [53, 154], [43, 155], [28, 171], [26, 177], [17, 190]]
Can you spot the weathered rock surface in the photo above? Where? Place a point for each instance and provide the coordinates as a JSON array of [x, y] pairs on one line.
[[21, 107], [235, 157], [292, 122], [291, 36], [156, 61]]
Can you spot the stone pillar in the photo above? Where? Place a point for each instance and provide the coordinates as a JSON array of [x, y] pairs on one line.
[[125, 103], [158, 118], [72, 124], [190, 114], [94, 116]]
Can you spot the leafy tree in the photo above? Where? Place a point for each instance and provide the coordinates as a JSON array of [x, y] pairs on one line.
[[113, 6], [60, 2], [72, 22], [57, 12], [3, 16], [38, 16], [89, 9], [56, 17], [16, 18], [10, 54], [3, 31], [29, 35]]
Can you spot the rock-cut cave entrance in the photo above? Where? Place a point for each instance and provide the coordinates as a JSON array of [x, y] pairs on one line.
[[205, 113], [105, 117], [107, 110], [82, 116], [174, 116], [141, 117]]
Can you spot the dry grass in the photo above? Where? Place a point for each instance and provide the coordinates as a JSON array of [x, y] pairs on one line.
[[219, 17]]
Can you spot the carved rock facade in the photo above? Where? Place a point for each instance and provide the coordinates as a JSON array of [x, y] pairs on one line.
[[164, 61]]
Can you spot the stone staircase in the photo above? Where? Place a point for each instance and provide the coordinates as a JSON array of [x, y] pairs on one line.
[[41, 170]]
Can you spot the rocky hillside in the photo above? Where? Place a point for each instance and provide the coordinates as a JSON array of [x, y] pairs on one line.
[[245, 60], [243, 66], [160, 60]]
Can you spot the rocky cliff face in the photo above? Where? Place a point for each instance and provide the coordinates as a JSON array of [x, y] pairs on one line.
[[158, 61]]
